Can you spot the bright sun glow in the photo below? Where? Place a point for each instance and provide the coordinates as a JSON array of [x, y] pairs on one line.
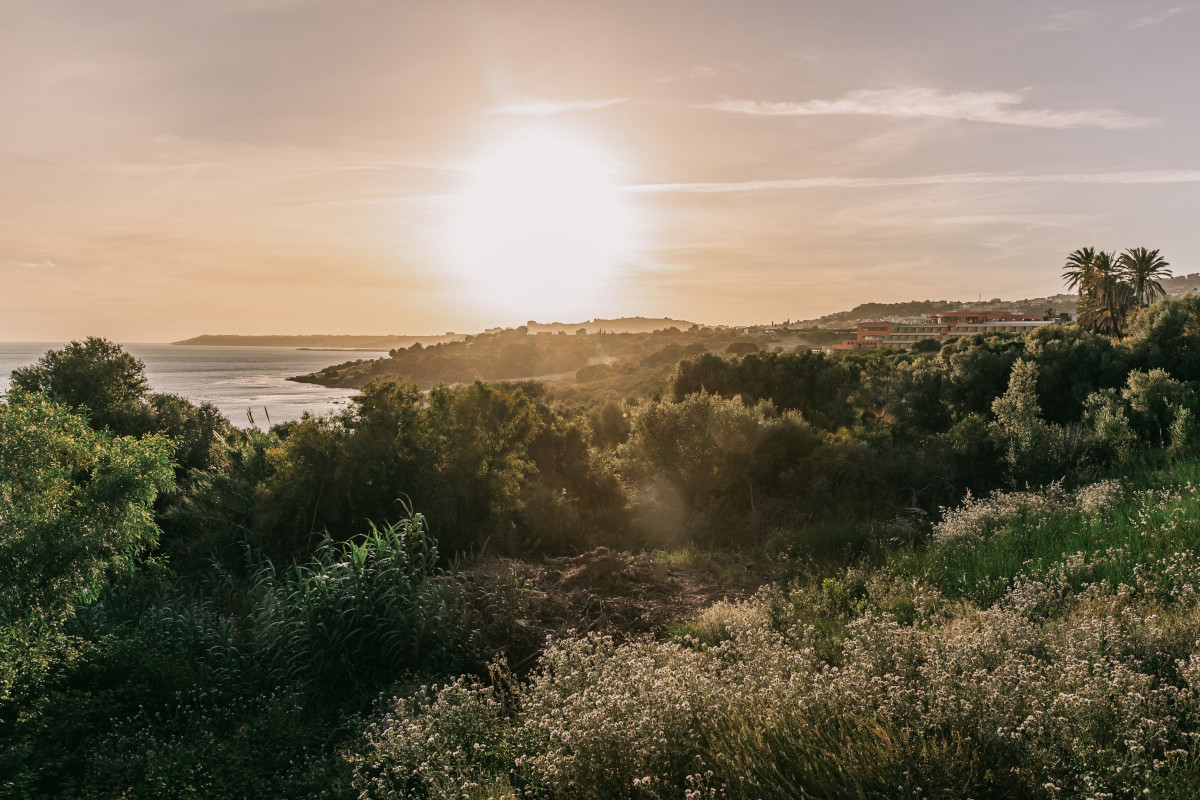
[[542, 228]]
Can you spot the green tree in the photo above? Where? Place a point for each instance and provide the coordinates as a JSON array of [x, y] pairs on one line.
[[75, 504], [1078, 271], [109, 386], [482, 435], [462, 453], [1073, 363], [1141, 270], [700, 445], [1106, 298], [95, 376], [741, 348], [1111, 438], [1167, 335], [1035, 450], [200, 433]]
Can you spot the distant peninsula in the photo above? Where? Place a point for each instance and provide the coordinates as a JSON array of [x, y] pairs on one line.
[[319, 341], [399, 341]]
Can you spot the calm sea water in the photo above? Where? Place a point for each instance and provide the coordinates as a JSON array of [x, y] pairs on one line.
[[233, 379]]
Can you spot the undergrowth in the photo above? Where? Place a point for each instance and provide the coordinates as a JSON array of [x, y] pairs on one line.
[[1043, 644]]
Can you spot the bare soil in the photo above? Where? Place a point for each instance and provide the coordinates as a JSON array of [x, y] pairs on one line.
[[617, 593]]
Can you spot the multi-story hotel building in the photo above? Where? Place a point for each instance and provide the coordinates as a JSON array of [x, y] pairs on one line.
[[938, 327]]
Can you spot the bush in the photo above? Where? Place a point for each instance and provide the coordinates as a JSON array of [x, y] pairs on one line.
[[439, 742]]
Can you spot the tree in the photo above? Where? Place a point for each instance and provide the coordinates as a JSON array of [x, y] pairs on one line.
[[95, 376], [1105, 297], [741, 348], [75, 504], [1077, 272], [1109, 286], [1141, 269], [462, 454], [1155, 399], [1036, 451]]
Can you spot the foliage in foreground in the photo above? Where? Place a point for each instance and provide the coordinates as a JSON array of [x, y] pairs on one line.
[[75, 505], [1070, 669], [228, 686]]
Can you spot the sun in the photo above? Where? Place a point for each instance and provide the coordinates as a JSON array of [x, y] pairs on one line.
[[542, 227]]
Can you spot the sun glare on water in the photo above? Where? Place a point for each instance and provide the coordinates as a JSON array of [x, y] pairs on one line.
[[542, 227]]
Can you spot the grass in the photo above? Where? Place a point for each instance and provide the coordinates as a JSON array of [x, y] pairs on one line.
[[689, 555], [1139, 528]]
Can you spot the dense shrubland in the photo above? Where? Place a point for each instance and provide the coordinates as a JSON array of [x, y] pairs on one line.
[[987, 551]]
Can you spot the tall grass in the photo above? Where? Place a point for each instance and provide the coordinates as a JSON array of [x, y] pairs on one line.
[[373, 607]]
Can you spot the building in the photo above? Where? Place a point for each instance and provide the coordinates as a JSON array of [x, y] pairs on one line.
[[938, 327], [959, 317], [1000, 326]]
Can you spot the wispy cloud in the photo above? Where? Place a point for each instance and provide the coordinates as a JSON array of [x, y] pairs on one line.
[[540, 107], [1161, 16], [996, 107], [1134, 177], [1069, 20], [28, 265], [1022, 220]]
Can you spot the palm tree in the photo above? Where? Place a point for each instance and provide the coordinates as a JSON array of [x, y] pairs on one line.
[[1077, 272], [1105, 297], [1141, 269]]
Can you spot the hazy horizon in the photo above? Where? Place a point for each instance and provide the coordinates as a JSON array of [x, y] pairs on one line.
[[295, 167]]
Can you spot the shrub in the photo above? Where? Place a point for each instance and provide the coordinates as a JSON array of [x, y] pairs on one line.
[[439, 742]]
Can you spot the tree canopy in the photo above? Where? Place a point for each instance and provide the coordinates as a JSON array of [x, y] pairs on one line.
[[75, 504]]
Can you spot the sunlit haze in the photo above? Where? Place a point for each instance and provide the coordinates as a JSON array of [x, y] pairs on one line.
[[294, 166], [541, 226]]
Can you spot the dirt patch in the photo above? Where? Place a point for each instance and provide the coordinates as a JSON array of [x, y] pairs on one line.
[[615, 592]]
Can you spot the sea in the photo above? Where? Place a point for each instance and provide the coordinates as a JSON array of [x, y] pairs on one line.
[[248, 384]]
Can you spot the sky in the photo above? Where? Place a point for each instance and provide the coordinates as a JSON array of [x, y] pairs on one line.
[[295, 166]]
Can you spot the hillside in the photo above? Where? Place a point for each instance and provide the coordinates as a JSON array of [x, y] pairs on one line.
[[878, 311], [1174, 287], [520, 354]]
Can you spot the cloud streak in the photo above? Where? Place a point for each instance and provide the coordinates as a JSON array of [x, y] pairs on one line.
[[1154, 19], [1068, 20], [968, 178], [540, 107], [1001, 108]]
